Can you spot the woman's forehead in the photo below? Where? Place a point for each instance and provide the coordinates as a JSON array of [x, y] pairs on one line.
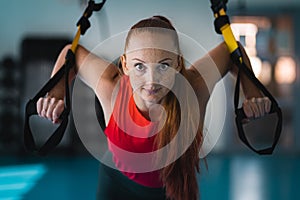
[[155, 41], [151, 55]]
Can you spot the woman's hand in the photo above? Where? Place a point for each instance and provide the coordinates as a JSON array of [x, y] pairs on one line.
[[256, 107], [50, 108]]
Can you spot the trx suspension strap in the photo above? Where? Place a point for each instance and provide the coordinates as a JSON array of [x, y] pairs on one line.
[[222, 26], [82, 25]]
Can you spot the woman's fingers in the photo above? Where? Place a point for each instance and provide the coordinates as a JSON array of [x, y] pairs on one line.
[[268, 104], [50, 108], [45, 107], [39, 106], [59, 108], [256, 107], [247, 109], [260, 105]]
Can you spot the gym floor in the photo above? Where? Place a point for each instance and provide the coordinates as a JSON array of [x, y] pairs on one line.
[[229, 177]]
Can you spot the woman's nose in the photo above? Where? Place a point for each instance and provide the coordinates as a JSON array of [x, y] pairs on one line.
[[153, 76]]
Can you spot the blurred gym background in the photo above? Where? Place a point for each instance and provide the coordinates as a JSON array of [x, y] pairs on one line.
[[33, 33]]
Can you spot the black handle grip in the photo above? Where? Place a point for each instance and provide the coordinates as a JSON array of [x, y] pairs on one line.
[[54, 139], [240, 117], [31, 110]]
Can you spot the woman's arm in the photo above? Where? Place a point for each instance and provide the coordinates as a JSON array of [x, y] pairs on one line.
[[215, 65], [89, 68]]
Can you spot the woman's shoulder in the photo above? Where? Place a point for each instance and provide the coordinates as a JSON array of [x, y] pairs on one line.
[[194, 77], [198, 83]]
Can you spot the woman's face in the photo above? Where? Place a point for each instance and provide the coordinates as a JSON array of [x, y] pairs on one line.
[[151, 61]]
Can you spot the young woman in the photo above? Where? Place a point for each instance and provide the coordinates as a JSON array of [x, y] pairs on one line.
[[148, 105]]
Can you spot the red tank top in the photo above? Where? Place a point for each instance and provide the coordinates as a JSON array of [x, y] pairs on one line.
[[129, 131]]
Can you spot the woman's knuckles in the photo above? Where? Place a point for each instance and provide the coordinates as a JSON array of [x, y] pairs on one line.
[[50, 108]]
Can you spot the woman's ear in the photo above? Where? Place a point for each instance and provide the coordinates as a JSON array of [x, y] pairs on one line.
[[123, 62], [179, 63]]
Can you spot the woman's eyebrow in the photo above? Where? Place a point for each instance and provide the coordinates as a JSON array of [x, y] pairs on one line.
[[163, 60], [139, 60]]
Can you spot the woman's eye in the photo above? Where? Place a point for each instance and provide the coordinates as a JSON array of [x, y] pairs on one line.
[[139, 66], [164, 66]]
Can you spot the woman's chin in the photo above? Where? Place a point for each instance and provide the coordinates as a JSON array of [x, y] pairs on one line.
[[153, 98]]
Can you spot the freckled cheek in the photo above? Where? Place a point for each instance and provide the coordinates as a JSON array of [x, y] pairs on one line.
[[167, 81], [136, 81]]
